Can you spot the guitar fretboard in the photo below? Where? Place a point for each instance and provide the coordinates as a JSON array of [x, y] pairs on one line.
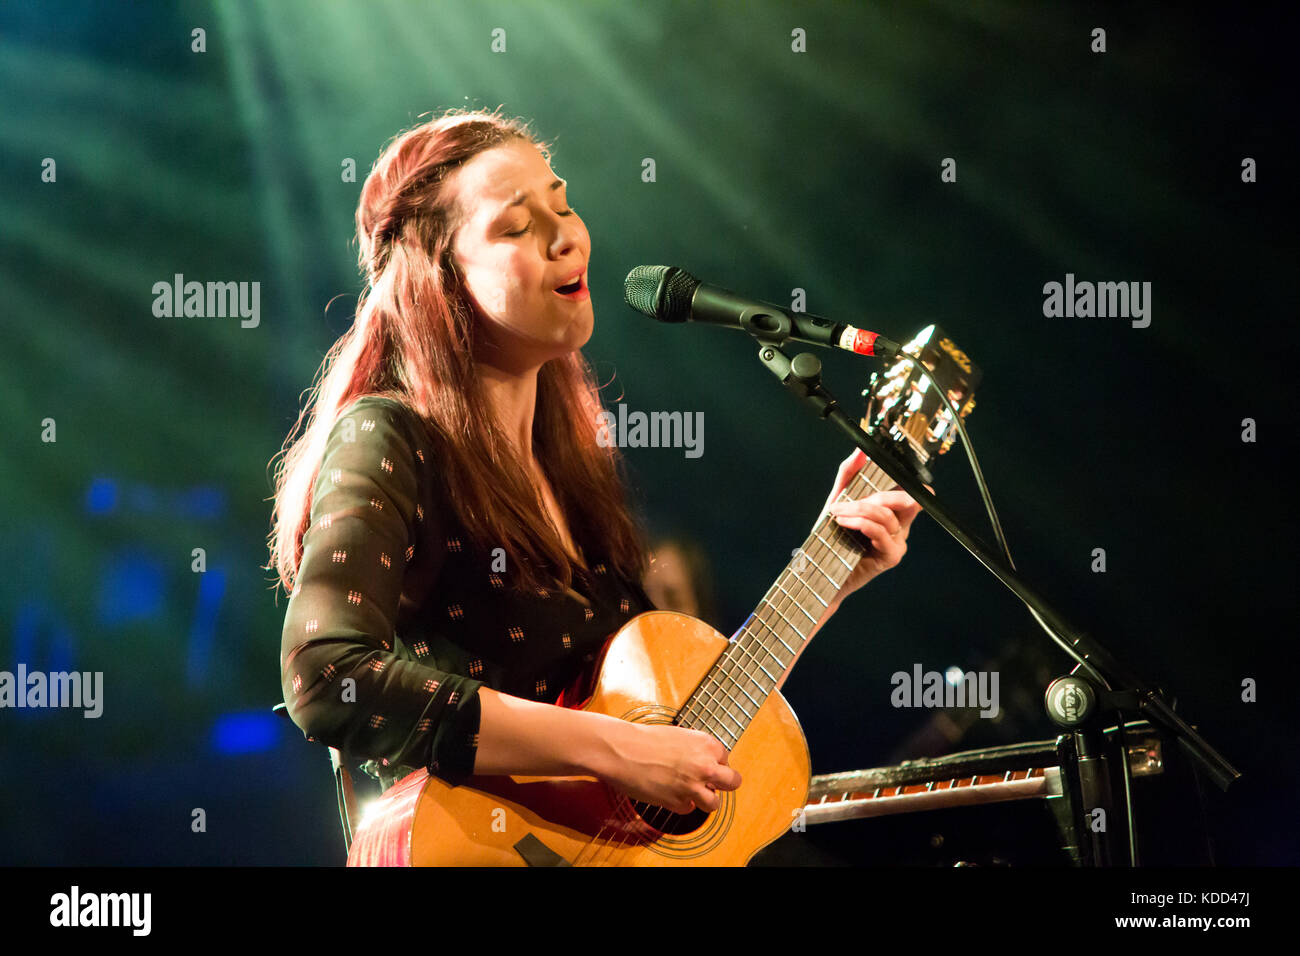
[[764, 649]]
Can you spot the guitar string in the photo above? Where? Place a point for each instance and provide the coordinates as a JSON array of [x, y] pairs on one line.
[[771, 604], [731, 665], [776, 605], [617, 841]]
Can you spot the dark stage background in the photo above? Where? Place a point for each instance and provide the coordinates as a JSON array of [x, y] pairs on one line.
[[774, 170]]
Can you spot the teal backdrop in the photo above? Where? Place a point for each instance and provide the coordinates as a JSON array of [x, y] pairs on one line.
[[783, 160]]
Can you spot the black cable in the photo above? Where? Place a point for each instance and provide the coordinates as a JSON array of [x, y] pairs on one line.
[[1126, 772], [980, 483]]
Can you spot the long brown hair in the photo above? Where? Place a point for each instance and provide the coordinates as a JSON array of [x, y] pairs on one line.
[[412, 340]]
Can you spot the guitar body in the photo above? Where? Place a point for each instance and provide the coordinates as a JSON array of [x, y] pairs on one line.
[[647, 671]]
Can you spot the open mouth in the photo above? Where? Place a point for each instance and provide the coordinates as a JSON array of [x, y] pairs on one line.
[[574, 286]]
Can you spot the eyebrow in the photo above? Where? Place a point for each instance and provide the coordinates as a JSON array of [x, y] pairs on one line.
[[520, 196]]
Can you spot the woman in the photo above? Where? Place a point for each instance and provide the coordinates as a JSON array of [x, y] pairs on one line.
[[455, 540]]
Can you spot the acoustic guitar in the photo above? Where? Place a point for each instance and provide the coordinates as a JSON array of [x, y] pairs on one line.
[[669, 668]]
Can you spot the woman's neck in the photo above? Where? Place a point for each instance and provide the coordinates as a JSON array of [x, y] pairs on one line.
[[513, 400]]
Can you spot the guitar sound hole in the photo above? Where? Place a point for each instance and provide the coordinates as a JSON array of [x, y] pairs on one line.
[[665, 821]]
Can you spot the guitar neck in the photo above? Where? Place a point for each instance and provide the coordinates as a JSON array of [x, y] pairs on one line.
[[764, 650]]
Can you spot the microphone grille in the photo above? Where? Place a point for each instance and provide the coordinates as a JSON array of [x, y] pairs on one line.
[[661, 292]]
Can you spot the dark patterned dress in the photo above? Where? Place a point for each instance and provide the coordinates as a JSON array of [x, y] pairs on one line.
[[397, 620]]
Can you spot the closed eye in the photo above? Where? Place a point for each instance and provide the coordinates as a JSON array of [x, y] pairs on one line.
[[527, 228]]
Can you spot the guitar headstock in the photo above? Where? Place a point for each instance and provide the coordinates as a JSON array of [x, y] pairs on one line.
[[905, 415]]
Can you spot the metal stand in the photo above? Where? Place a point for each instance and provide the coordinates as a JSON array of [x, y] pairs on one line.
[[1123, 691]]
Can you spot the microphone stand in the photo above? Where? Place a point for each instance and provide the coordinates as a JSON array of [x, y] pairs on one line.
[[1122, 689]]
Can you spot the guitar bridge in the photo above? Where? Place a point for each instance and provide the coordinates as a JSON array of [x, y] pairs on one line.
[[537, 853]]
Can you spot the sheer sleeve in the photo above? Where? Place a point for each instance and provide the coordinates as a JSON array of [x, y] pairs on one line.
[[343, 683]]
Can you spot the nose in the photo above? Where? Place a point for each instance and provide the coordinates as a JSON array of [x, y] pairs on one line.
[[568, 236]]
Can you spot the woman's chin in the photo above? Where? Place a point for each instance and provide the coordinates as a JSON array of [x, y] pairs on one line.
[[581, 330]]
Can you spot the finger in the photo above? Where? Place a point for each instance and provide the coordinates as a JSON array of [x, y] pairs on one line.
[[724, 778], [854, 462], [904, 509], [880, 538], [893, 498], [928, 488], [848, 468], [704, 798], [865, 508], [907, 516], [716, 747]]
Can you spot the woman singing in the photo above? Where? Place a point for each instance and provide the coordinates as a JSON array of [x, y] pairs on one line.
[[455, 539]]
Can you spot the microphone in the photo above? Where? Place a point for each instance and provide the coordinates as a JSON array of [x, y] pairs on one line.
[[669, 294]]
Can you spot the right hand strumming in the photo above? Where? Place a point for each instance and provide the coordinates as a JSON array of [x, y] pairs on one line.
[[669, 766]]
